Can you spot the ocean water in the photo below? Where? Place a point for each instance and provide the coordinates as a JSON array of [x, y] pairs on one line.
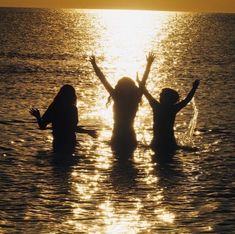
[[40, 50]]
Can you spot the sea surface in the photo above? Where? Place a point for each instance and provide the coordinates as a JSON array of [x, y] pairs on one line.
[[41, 49]]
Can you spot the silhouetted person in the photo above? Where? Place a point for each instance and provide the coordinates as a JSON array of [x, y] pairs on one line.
[[126, 96], [63, 115], [164, 114]]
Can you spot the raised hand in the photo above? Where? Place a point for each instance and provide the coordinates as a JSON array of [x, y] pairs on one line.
[[196, 84], [92, 59], [137, 78], [150, 58], [35, 112]]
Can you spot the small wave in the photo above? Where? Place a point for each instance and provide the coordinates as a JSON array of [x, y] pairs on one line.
[[2, 148], [36, 56], [23, 69], [188, 148], [208, 131], [14, 122]]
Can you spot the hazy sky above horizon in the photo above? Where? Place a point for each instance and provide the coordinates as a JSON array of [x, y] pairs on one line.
[[175, 5]]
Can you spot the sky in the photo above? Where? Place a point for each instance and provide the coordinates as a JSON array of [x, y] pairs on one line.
[[167, 5]]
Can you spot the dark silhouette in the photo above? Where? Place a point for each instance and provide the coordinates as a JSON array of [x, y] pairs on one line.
[[123, 153], [164, 113], [63, 115], [126, 96]]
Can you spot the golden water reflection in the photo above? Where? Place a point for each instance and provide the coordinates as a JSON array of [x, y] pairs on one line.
[[125, 38], [133, 188], [121, 209]]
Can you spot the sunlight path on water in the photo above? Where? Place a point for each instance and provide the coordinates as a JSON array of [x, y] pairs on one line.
[[128, 36], [125, 38]]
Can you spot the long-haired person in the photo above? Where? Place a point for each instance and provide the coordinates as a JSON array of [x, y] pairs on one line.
[[164, 114], [126, 97], [62, 113]]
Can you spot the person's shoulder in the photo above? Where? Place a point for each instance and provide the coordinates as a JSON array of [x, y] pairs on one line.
[[155, 104]]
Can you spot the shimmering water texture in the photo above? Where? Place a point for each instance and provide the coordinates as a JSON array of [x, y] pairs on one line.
[[97, 192]]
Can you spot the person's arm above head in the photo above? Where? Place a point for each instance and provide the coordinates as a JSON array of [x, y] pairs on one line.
[[150, 58], [189, 97], [100, 75], [36, 113], [152, 101]]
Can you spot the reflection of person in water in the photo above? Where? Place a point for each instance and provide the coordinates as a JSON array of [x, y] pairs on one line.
[[126, 96], [164, 113], [123, 175], [63, 115]]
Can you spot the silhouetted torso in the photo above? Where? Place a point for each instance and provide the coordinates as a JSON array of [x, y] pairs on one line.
[[164, 113], [163, 127], [64, 121], [124, 112]]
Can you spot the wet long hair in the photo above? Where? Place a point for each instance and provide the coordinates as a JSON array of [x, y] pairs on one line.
[[169, 96], [125, 88], [66, 97]]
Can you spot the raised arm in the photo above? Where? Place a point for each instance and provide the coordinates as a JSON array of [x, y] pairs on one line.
[[150, 58], [45, 119], [152, 101], [101, 76], [189, 97]]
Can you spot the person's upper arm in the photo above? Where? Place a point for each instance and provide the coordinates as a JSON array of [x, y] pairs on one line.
[[47, 117], [103, 79], [181, 104], [152, 101], [184, 102], [74, 116], [108, 87]]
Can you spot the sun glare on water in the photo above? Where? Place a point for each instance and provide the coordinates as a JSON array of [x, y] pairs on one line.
[[126, 38]]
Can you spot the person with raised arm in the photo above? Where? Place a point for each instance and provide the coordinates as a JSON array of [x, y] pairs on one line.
[[63, 115], [164, 114], [126, 97]]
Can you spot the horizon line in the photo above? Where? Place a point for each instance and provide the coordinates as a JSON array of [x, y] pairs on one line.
[[120, 9]]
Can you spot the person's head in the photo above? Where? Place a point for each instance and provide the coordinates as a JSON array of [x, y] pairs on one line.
[[126, 86], [66, 96], [169, 96]]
